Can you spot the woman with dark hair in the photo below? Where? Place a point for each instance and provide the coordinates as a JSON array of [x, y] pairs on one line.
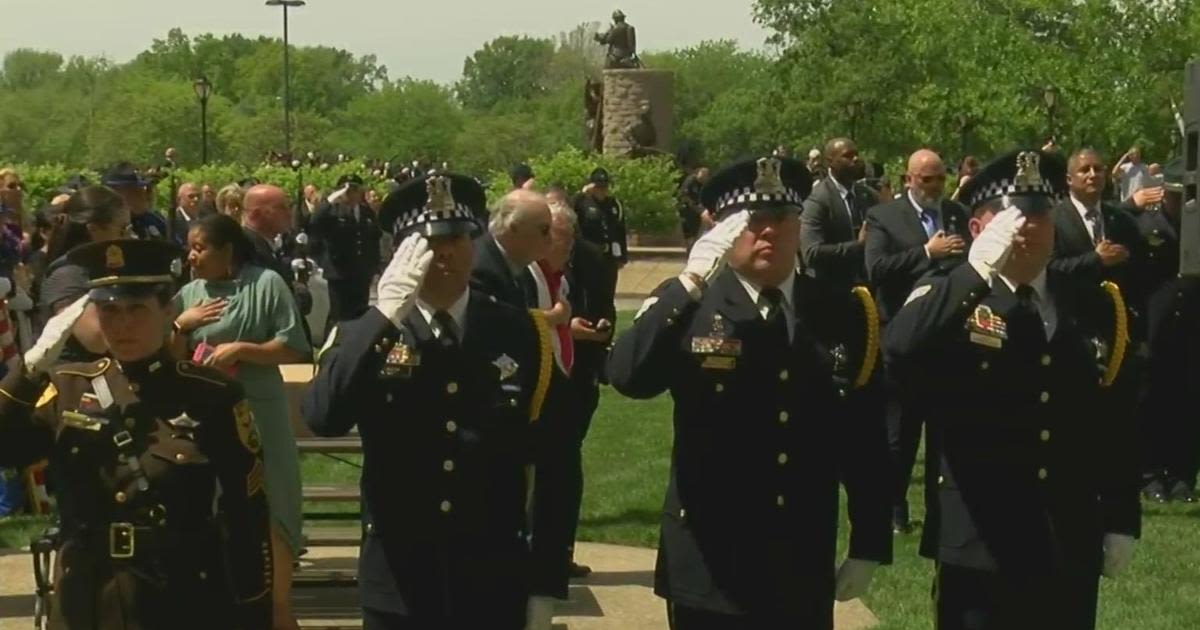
[[93, 214], [967, 168], [242, 319]]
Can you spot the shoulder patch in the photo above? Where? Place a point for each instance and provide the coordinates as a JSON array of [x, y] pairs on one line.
[[650, 301], [201, 373], [918, 293], [247, 431], [86, 370], [329, 341]]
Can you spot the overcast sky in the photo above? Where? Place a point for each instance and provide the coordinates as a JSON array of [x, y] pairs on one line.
[[429, 42]]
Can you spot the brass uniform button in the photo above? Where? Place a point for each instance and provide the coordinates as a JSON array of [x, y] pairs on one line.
[[783, 458], [446, 507], [180, 457], [451, 387], [783, 417], [1046, 360], [984, 366], [783, 376], [720, 388], [1045, 397], [448, 465], [1043, 473], [1045, 435], [451, 426], [779, 500], [120, 497]]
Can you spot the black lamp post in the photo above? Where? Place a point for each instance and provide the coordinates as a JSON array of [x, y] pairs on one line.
[[203, 91], [853, 110], [1050, 97], [964, 127], [287, 75]]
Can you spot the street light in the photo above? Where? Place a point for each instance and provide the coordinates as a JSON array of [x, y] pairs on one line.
[[203, 91], [287, 75], [1050, 96], [964, 126], [853, 109]]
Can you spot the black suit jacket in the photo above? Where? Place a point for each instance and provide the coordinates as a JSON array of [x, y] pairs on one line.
[[829, 243], [492, 275], [752, 501], [592, 300], [1075, 254], [1035, 459], [895, 250], [348, 248]]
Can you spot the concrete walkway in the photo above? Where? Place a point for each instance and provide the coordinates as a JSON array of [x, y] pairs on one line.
[[617, 596]]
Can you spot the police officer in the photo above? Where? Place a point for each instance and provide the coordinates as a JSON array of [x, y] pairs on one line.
[[602, 222], [766, 368], [164, 518], [123, 178], [348, 233], [1173, 369], [444, 383], [1035, 491]]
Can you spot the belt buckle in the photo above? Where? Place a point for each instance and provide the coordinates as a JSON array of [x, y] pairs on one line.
[[121, 540], [122, 439]]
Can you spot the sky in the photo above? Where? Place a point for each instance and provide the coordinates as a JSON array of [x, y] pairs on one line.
[[430, 42]]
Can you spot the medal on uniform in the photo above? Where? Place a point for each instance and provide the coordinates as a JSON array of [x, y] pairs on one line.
[[987, 328], [400, 361], [719, 351]]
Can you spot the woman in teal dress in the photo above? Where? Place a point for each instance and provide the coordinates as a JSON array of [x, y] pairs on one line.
[[242, 318]]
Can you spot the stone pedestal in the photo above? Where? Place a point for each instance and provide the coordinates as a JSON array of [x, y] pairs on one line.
[[625, 91]]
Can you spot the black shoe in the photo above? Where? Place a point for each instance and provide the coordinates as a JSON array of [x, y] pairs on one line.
[[1181, 492], [1154, 491], [578, 571]]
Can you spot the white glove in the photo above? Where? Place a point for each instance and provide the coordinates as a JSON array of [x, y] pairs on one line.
[[992, 248], [539, 613], [45, 351], [854, 578], [400, 282], [336, 196], [1118, 551], [709, 253]]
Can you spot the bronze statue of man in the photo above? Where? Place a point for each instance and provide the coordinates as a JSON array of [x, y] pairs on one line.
[[621, 40]]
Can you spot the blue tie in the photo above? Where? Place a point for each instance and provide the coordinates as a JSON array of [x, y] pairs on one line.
[[929, 220]]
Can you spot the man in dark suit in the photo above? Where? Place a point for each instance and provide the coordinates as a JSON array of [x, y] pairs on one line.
[[833, 231], [348, 234], [765, 367], [1035, 494], [265, 219], [907, 238], [518, 234]]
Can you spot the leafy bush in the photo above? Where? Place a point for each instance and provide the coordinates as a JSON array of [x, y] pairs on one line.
[[646, 186]]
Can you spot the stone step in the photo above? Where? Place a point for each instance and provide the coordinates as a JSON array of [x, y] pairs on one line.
[[348, 444], [332, 493], [333, 536]]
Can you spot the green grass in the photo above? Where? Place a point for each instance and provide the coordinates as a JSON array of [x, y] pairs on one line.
[[626, 461]]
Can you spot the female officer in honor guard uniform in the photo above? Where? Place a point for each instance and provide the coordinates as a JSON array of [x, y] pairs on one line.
[[444, 384], [766, 368], [164, 519], [1036, 491]]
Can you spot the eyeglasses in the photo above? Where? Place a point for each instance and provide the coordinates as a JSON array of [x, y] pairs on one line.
[[194, 196]]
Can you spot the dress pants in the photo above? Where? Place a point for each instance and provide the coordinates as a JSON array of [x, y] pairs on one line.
[[971, 599], [904, 424], [348, 298]]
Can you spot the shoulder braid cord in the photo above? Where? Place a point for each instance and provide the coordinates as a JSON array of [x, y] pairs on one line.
[[545, 364], [871, 351], [1120, 334]]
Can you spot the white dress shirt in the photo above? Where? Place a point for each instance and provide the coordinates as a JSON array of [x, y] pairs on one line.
[[1089, 222], [1042, 300], [764, 305], [457, 311]]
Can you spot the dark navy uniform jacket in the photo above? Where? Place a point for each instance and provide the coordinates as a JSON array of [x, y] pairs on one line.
[[764, 432], [447, 435], [1036, 463]]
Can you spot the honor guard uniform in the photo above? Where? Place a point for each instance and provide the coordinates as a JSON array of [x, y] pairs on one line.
[[1172, 431], [349, 236], [444, 398], [767, 383], [1036, 487], [159, 472]]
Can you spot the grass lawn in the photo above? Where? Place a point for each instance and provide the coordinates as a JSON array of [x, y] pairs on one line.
[[626, 458]]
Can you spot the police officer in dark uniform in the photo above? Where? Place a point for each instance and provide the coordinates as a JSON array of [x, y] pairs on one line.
[[602, 222], [1172, 432], [158, 462], [1035, 493], [444, 383], [123, 178], [767, 368], [349, 236]]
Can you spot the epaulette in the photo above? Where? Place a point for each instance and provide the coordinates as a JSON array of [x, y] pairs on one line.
[[86, 370], [1120, 338], [545, 364], [871, 332], [202, 373]]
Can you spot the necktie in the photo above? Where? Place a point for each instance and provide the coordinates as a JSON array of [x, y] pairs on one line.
[[854, 220], [776, 319], [1028, 311], [929, 221], [1097, 227], [449, 336]]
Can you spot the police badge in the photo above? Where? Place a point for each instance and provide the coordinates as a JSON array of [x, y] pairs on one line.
[[507, 366]]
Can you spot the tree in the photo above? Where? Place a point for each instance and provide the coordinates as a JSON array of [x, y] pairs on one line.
[[506, 68], [407, 119], [25, 68]]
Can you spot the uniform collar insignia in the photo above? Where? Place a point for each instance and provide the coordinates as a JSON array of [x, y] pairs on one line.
[[507, 366], [1029, 173], [768, 181]]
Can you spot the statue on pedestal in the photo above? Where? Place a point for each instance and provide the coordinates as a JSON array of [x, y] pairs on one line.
[[621, 40]]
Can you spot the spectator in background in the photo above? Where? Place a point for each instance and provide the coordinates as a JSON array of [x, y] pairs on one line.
[[305, 211], [239, 317], [518, 235], [208, 198], [968, 167], [602, 222], [373, 200], [229, 202], [12, 196], [187, 210], [690, 208], [1131, 174], [124, 179], [522, 176], [348, 234], [36, 259], [816, 166], [265, 219]]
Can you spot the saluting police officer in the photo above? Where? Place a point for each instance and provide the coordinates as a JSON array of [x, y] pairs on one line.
[[164, 518], [766, 368], [1172, 431], [348, 236], [602, 222], [1036, 487], [444, 383]]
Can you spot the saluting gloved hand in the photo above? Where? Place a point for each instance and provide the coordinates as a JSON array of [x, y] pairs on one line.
[[854, 579], [992, 248], [45, 352], [709, 253], [400, 282], [1118, 552]]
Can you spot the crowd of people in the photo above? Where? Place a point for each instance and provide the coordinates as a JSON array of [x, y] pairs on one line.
[[827, 316]]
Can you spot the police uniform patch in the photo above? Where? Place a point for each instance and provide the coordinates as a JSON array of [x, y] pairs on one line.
[[918, 293], [247, 431], [987, 328]]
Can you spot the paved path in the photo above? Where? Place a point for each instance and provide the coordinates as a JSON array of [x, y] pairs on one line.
[[617, 596]]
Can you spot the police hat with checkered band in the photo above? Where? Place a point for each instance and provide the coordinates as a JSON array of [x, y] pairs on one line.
[[767, 183], [444, 204], [1032, 181]]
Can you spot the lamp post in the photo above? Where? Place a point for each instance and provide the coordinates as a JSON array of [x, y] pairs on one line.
[[287, 75], [203, 91], [853, 109], [1050, 97], [964, 127]]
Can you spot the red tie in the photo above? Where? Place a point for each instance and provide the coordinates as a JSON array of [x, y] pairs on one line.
[[553, 284]]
